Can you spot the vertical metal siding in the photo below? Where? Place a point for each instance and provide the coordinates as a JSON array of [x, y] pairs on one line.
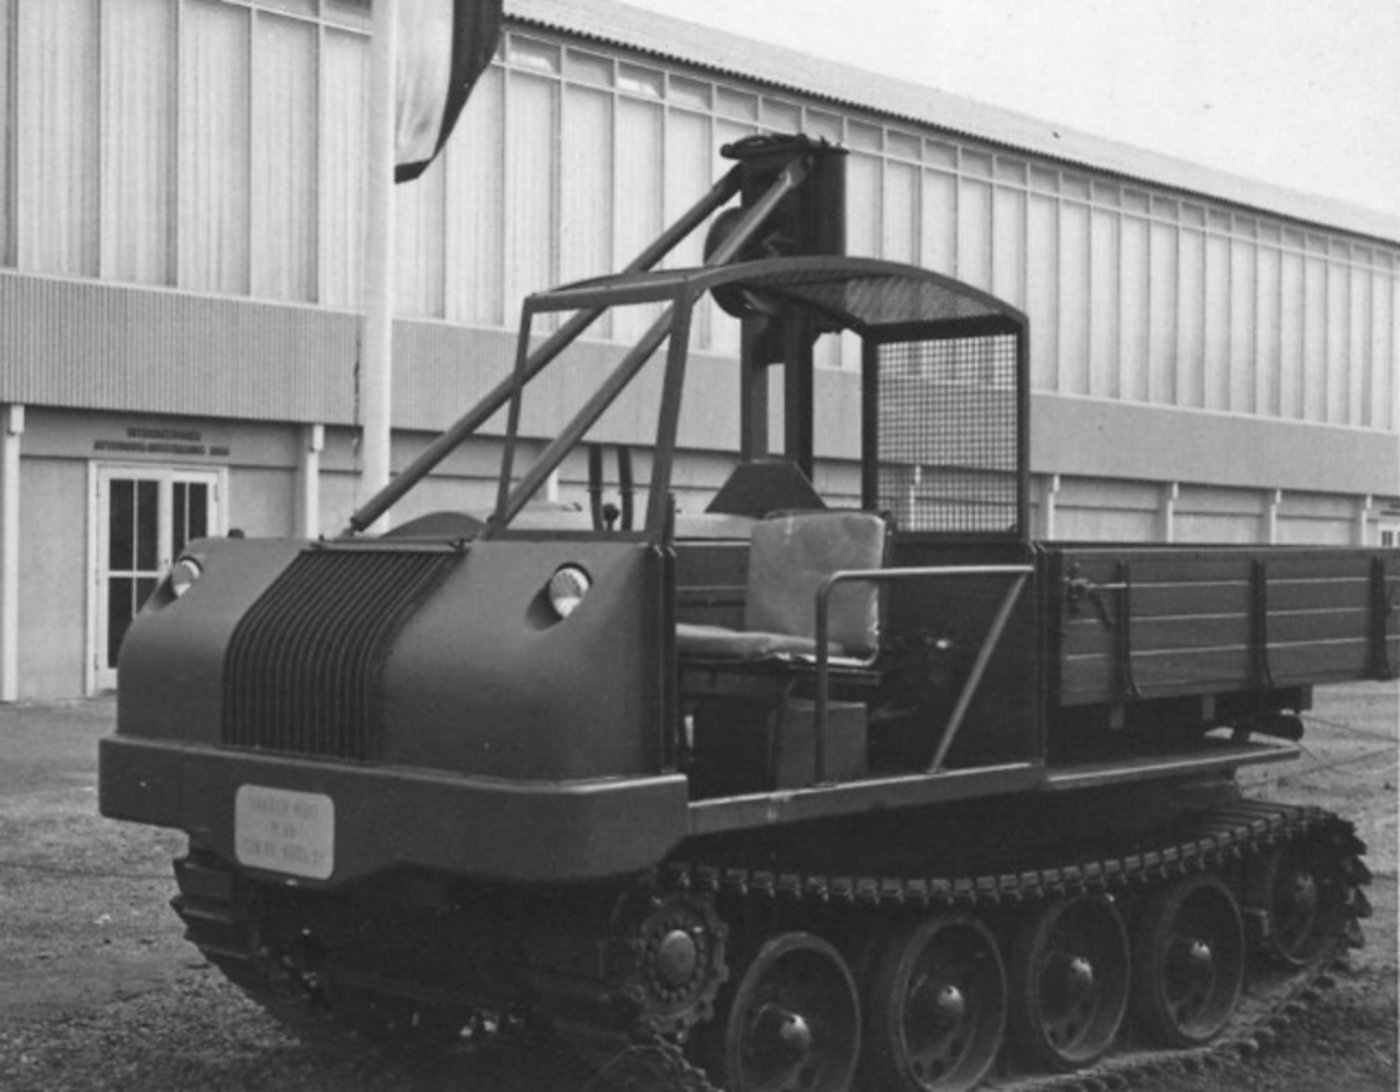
[[474, 227], [1338, 358], [83, 344], [1165, 245], [213, 149], [637, 177], [569, 153], [420, 261], [688, 169], [7, 65], [1075, 301], [1387, 334], [1009, 231], [1394, 357], [1216, 365], [1293, 326], [1134, 304], [56, 134], [532, 118], [1358, 331], [1042, 289], [1105, 276], [1243, 326], [136, 214], [344, 75]]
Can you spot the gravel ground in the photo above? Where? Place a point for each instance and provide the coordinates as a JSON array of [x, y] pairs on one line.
[[101, 993]]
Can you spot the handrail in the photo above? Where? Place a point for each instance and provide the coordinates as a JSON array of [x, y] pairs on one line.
[[890, 576]]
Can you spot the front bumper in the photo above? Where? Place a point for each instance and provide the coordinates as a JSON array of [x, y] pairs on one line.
[[396, 817]]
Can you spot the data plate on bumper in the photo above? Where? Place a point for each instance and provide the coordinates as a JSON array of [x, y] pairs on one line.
[[285, 831]]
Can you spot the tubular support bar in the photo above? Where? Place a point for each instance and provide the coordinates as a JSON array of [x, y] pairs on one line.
[[509, 505], [494, 399], [1022, 573]]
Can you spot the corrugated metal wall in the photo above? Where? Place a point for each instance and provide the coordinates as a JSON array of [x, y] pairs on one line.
[[214, 145], [86, 344]]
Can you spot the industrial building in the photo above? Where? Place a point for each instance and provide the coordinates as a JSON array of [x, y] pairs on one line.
[[181, 206]]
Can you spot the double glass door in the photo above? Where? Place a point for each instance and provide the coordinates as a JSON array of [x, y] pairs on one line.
[[144, 519]]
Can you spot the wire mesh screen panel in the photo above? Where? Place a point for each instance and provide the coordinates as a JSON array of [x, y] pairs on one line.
[[947, 439]]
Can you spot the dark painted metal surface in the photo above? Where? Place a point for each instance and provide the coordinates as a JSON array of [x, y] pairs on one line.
[[390, 817], [303, 669]]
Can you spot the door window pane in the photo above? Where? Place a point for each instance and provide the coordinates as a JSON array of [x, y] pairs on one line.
[[189, 514], [121, 543], [179, 513], [199, 511], [126, 595], [120, 590], [147, 525]]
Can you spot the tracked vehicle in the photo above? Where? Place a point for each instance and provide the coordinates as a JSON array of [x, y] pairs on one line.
[[833, 779]]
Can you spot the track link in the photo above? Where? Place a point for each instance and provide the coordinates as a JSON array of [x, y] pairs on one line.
[[601, 1016], [1217, 840]]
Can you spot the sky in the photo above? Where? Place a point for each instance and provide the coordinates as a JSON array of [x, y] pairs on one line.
[[1298, 93]]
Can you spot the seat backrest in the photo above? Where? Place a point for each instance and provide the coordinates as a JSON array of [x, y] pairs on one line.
[[791, 555]]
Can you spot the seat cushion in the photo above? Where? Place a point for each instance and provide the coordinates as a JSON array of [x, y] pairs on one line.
[[721, 643]]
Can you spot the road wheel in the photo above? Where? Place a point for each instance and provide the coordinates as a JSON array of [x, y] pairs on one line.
[[1188, 961], [936, 1007], [1069, 982], [1300, 906], [792, 1023]]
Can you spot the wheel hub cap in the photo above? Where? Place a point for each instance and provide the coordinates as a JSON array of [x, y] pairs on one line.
[[949, 1006], [676, 958], [1079, 977], [1199, 960], [782, 1034], [1300, 892]]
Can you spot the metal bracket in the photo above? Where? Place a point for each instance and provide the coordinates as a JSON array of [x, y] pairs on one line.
[[1259, 625], [1382, 607]]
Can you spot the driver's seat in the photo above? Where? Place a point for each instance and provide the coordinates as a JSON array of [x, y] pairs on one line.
[[790, 556]]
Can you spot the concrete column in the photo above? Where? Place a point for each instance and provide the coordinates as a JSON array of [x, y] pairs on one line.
[[313, 442], [13, 430], [1049, 501], [377, 326], [1365, 508], [1171, 493], [1271, 517]]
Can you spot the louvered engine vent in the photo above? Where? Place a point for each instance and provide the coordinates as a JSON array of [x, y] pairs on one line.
[[302, 672]]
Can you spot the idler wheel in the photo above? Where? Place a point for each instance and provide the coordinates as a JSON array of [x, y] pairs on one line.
[[1188, 958], [1069, 982], [1299, 904], [793, 1021], [935, 1007]]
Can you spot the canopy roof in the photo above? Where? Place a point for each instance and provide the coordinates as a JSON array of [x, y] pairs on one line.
[[866, 295]]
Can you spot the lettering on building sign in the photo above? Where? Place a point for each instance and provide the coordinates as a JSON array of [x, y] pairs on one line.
[[163, 441]]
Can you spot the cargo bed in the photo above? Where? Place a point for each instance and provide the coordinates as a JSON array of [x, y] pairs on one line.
[[1131, 623]]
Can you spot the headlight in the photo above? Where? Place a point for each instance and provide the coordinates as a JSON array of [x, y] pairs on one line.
[[182, 574], [567, 587]]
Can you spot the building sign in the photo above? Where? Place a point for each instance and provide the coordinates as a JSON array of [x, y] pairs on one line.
[[147, 440]]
